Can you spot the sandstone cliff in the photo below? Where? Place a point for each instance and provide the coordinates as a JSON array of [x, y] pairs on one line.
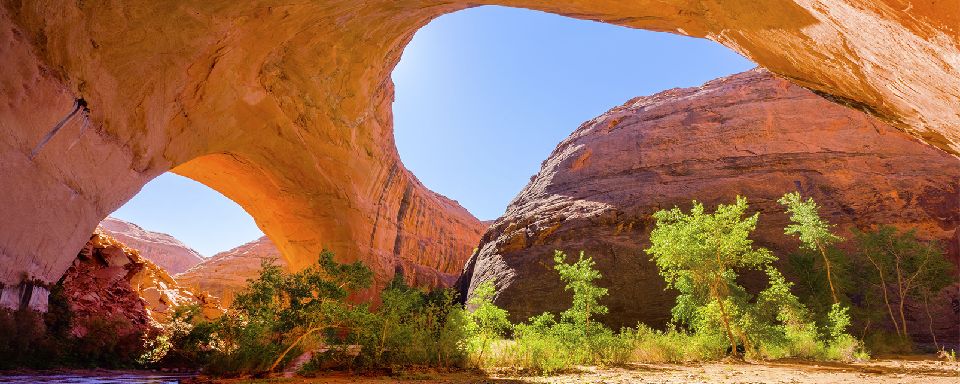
[[162, 249], [285, 107], [227, 272], [108, 280], [750, 134]]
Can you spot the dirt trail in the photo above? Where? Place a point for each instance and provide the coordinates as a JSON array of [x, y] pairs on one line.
[[786, 371]]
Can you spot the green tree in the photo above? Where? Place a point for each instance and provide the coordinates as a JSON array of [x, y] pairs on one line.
[[277, 312], [814, 233], [580, 276], [698, 253], [487, 322], [905, 268]]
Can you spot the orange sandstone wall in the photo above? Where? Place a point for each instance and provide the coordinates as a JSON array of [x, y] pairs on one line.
[[285, 108]]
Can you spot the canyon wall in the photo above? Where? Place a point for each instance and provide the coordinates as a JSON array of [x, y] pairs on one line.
[[162, 249], [750, 134], [285, 108]]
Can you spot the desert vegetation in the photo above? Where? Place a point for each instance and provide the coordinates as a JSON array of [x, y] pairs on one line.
[[310, 321]]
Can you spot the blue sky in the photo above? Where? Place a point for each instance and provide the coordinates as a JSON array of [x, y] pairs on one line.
[[482, 97]]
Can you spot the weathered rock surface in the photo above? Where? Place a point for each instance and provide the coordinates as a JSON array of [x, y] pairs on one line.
[[162, 249], [108, 280], [225, 273], [750, 134], [285, 107]]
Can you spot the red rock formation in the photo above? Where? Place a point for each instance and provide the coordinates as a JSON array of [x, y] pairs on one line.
[[285, 107], [227, 272], [750, 134], [162, 249], [108, 280]]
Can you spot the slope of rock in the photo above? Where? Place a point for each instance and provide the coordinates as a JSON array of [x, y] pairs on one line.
[[285, 107], [108, 280], [750, 134], [225, 273], [162, 249]]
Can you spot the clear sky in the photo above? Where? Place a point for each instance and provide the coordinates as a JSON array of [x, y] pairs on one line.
[[485, 94], [482, 97]]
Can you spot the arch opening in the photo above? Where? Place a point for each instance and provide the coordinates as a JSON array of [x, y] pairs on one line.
[[484, 95]]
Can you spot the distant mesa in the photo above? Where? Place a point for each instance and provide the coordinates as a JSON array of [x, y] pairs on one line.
[[164, 250]]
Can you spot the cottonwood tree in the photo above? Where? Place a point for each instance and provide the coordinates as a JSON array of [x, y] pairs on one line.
[[698, 253], [579, 277], [814, 233], [289, 308], [486, 321], [905, 268]]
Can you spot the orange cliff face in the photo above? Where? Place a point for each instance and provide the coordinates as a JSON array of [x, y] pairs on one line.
[[162, 249], [285, 108]]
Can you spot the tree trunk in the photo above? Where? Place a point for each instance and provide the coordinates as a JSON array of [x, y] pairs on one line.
[[826, 263], [886, 298], [295, 342], [926, 307]]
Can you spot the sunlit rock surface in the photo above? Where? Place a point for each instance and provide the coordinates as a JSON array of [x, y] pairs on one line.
[[285, 108], [750, 134], [162, 249], [109, 281], [226, 273]]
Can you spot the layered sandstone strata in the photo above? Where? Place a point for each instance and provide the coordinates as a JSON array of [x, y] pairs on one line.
[[751, 134], [285, 108], [226, 273], [162, 249]]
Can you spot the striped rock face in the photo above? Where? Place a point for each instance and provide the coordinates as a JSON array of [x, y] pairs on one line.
[[285, 108], [750, 134], [162, 249]]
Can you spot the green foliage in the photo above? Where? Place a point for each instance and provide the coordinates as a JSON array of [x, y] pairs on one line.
[[899, 268], [580, 277], [412, 327], [815, 234], [487, 322], [547, 345], [279, 314], [698, 255], [44, 340]]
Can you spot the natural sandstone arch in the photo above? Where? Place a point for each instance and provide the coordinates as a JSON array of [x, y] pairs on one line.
[[300, 93]]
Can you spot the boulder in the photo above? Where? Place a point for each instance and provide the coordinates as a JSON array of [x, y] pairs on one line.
[[752, 134]]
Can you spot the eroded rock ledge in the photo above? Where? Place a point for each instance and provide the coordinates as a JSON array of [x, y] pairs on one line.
[[284, 107], [751, 134]]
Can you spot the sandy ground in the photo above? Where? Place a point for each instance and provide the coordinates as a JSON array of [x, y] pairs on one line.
[[794, 372]]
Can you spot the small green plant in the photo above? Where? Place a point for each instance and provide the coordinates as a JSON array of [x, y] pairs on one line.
[[814, 233], [579, 277], [487, 322]]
